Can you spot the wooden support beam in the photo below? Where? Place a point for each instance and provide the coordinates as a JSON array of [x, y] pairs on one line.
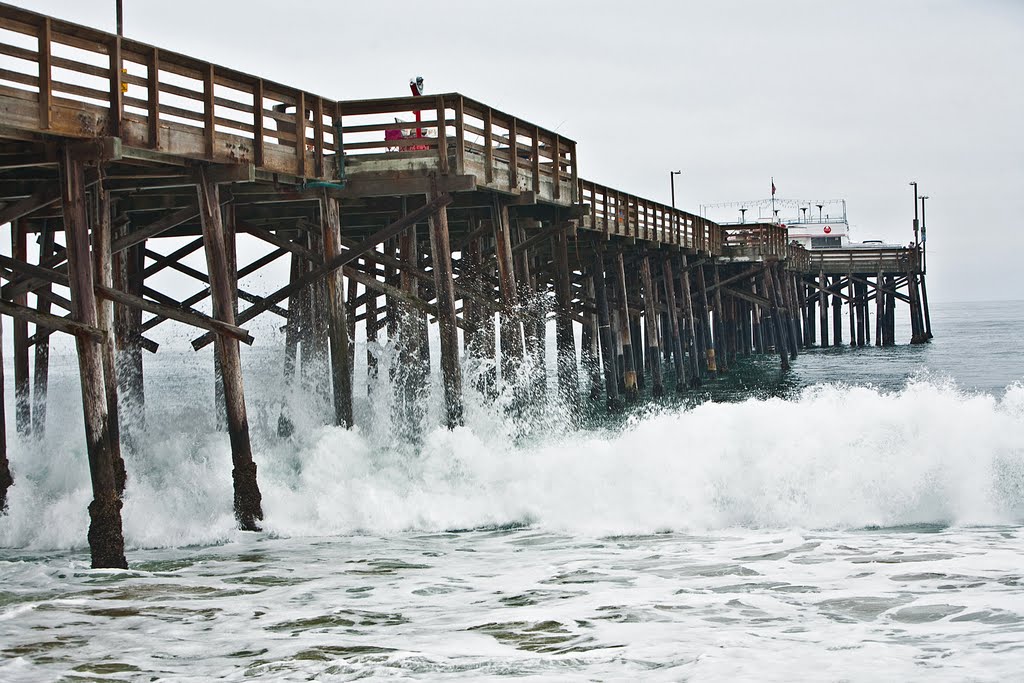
[[440, 251], [512, 348], [45, 195], [22, 391], [53, 322], [669, 282], [691, 329], [182, 314], [719, 323], [542, 236], [605, 332], [6, 480], [822, 286], [629, 370], [161, 261], [155, 228], [780, 330], [280, 242], [341, 368], [285, 426], [129, 276], [651, 327], [565, 342], [106, 539], [745, 275], [247, 499], [103, 270], [705, 322], [41, 372], [746, 296]]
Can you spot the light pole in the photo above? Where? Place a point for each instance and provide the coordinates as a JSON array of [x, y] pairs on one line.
[[803, 210], [914, 183], [672, 184], [820, 207], [743, 215], [924, 238]]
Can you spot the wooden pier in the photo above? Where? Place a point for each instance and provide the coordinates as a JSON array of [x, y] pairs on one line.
[[467, 217]]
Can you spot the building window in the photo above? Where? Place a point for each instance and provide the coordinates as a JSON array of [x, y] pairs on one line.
[[819, 242]]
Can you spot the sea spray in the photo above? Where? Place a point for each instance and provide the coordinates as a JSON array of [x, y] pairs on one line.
[[831, 456]]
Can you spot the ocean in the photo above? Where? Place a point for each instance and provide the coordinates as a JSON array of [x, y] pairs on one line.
[[860, 518]]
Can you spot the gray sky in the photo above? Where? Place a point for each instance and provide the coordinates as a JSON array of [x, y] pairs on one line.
[[848, 99]]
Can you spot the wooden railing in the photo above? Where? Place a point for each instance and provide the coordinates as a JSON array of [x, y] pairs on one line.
[[76, 81], [797, 257], [765, 240], [867, 261], [458, 135], [616, 213]]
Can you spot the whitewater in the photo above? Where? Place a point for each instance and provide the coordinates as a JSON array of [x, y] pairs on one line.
[[857, 519]]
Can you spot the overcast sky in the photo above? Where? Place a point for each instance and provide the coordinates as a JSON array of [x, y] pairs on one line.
[[848, 99]]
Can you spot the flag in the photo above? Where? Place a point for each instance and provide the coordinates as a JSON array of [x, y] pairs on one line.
[[773, 187]]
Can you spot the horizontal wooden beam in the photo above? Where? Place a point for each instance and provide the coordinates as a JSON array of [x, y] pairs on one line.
[[46, 194], [177, 312], [747, 296], [53, 322], [398, 186]]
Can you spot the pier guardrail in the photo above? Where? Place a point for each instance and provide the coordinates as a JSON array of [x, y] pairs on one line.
[[798, 258], [865, 261], [754, 241], [455, 134], [66, 79], [621, 214]]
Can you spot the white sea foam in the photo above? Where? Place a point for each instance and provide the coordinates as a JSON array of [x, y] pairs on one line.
[[832, 457]]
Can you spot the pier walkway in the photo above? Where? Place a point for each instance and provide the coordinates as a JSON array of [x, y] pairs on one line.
[[394, 214]]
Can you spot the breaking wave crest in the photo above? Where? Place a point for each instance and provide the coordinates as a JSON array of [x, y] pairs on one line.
[[830, 456]]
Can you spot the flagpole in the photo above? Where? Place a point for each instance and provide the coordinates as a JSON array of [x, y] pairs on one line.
[[773, 197]]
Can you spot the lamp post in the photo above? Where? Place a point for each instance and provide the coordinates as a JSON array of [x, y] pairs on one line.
[[743, 215], [914, 183], [924, 238], [672, 184], [803, 210], [820, 207]]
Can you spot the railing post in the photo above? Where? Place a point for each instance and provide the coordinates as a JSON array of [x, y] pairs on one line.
[[513, 157], [153, 97], [208, 110], [257, 123], [556, 156], [442, 138], [535, 153], [116, 91], [300, 134], [460, 137], [575, 175], [318, 137], [488, 147], [45, 76]]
